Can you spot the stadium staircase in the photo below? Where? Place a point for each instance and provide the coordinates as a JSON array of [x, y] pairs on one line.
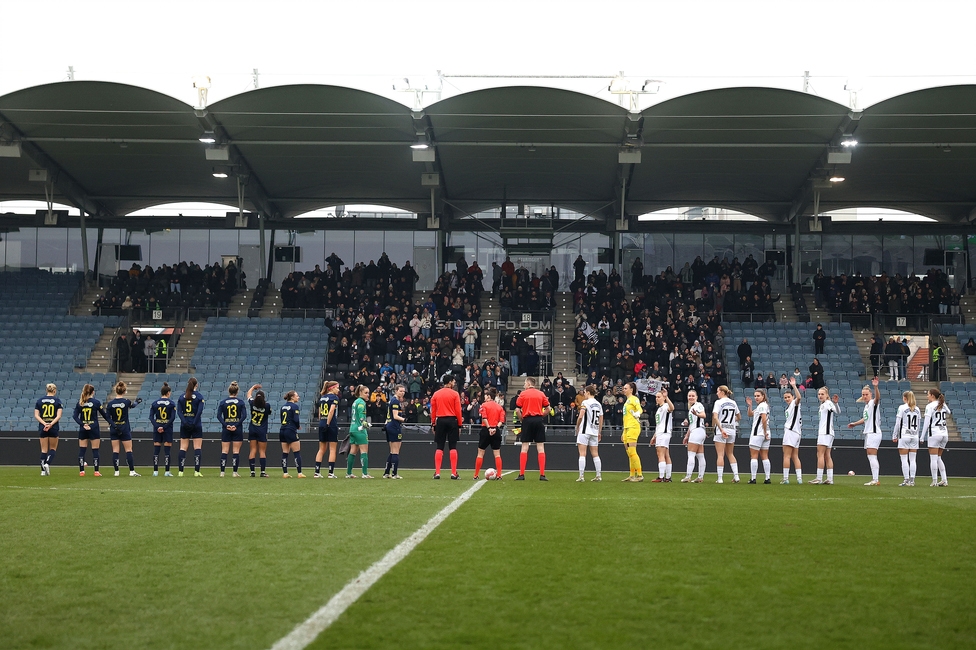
[[489, 343], [241, 302], [784, 309], [182, 354], [133, 382], [817, 314], [272, 303], [957, 363], [84, 306], [863, 339], [563, 332], [100, 359]]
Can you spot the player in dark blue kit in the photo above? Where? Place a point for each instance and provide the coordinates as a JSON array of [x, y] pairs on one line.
[[257, 428], [162, 415], [288, 434], [231, 413], [328, 427], [394, 432], [48, 411], [189, 407], [86, 415], [116, 411]]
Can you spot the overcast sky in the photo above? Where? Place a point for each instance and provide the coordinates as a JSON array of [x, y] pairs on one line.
[[879, 48]]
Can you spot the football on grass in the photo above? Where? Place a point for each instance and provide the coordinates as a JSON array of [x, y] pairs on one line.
[[490, 474]]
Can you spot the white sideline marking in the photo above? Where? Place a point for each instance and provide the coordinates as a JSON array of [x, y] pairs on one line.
[[315, 624]]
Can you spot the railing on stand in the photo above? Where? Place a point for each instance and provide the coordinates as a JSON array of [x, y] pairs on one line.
[[124, 328]]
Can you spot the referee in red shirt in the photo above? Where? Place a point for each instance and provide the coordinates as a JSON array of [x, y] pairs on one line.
[[445, 420], [532, 404], [492, 418]]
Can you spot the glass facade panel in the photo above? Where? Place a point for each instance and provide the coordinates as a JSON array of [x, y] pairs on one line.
[[20, 248], [194, 246], [631, 248], [836, 254], [424, 238], [687, 246], [490, 250], [222, 242], [721, 245], [564, 253], [164, 248], [341, 243], [140, 238], [755, 245], [312, 245], [898, 254], [659, 253], [928, 253], [52, 248], [866, 254], [592, 245], [369, 246]]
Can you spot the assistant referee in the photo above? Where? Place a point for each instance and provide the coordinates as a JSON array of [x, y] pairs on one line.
[[445, 419], [531, 405]]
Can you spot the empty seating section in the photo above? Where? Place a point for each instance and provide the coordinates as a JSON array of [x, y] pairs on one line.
[[281, 355], [781, 347], [961, 400], [41, 344], [963, 333]]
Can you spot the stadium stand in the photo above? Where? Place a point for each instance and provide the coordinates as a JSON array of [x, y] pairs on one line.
[[185, 285], [859, 294], [41, 343]]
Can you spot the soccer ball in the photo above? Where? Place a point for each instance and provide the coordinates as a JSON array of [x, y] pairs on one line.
[[490, 474], [850, 473]]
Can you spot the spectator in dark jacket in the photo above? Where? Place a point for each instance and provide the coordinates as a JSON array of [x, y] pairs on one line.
[[817, 374], [877, 351], [744, 350], [819, 336]]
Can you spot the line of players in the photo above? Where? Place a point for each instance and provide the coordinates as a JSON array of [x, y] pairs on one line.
[[446, 420]]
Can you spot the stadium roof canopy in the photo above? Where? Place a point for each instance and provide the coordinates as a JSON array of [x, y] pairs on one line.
[[112, 149]]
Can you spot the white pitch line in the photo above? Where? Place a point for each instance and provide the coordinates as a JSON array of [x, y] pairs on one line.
[[315, 624]]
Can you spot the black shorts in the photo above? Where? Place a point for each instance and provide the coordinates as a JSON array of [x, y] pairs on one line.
[[165, 436], [232, 436], [533, 429], [257, 436], [122, 433], [393, 435], [50, 433], [288, 436], [89, 435], [190, 431], [328, 434], [485, 440], [446, 430]]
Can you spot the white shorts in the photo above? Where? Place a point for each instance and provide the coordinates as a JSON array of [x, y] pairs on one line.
[[758, 442], [938, 441], [662, 440], [696, 437], [727, 439], [791, 439], [908, 442], [825, 441], [587, 439], [872, 441]]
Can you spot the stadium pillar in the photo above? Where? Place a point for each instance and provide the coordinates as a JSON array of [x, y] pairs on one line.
[[264, 262], [796, 250], [84, 245]]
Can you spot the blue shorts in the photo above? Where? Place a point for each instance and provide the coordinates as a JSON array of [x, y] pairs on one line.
[[288, 436], [328, 434], [50, 433], [190, 431], [259, 436], [94, 434], [122, 433], [393, 434], [165, 436], [232, 436]]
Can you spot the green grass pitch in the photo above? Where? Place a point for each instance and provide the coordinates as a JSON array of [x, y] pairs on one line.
[[237, 563]]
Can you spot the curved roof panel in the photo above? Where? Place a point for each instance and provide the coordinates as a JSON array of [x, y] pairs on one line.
[[115, 148]]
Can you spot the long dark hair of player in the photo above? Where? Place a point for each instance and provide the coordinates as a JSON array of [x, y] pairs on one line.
[[120, 388], [233, 389], [259, 400], [165, 390], [937, 394], [191, 386], [289, 395], [87, 392]]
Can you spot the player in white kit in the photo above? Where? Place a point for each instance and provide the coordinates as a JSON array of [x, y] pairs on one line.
[[695, 438], [759, 435], [935, 430], [871, 419], [828, 411], [725, 417], [907, 423], [792, 427], [661, 440], [589, 432]]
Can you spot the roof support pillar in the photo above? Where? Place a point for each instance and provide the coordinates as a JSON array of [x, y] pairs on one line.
[[84, 246], [261, 244], [796, 249]]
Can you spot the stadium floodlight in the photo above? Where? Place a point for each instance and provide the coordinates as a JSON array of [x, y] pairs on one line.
[[221, 172], [850, 142], [208, 137], [420, 144], [836, 179]]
